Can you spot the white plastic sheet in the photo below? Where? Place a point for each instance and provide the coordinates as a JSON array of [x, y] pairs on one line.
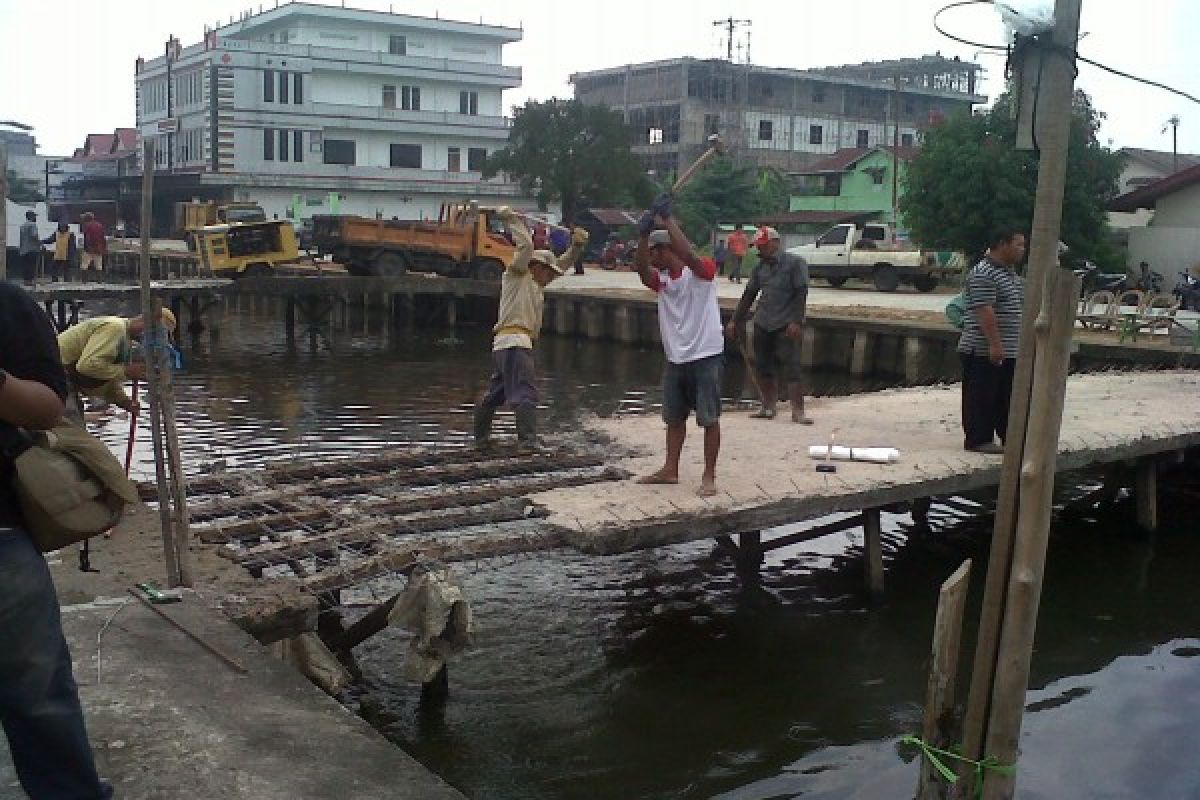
[[873, 455], [1026, 17]]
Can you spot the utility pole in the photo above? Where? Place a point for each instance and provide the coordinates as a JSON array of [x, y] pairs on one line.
[[731, 25], [895, 154], [1174, 123], [1008, 618]]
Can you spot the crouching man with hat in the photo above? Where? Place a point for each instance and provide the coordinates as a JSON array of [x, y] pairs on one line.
[[98, 356], [514, 381], [782, 280]]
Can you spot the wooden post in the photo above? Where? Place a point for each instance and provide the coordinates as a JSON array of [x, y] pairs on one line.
[[1146, 494], [1043, 256], [873, 551], [152, 314], [1009, 616], [451, 311], [943, 673], [4, 211], [858, 356]]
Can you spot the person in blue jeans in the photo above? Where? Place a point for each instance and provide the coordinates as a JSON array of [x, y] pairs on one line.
[[39, 702]]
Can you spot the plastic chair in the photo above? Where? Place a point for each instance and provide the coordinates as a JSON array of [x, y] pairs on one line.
[[1099, 311]]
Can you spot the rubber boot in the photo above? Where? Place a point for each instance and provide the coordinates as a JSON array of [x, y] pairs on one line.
[[796, 399], [769, 396], [526, 417], [483, 427]]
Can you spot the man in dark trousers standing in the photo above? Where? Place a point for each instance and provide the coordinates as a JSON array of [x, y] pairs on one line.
[[988, 345], [782, 279], [39, 703]]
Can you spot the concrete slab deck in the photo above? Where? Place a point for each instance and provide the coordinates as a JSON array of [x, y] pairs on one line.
[[765, 477], [168, 719]]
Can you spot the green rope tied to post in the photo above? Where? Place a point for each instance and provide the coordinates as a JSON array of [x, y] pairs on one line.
[[936, 754]]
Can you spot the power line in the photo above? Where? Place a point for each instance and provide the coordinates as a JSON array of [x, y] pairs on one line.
[[1146, 81]]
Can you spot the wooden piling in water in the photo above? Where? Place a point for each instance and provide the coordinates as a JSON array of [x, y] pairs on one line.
[[1146, 494], [873, 551]]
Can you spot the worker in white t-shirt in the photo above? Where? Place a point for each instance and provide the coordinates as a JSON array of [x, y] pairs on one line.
[[690, 322]]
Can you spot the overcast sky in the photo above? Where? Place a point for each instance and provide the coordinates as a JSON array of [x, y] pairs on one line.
[[67, 65]]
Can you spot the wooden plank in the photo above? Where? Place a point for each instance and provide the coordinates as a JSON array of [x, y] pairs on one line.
[[943, 674], [815, 532], [873, 550]]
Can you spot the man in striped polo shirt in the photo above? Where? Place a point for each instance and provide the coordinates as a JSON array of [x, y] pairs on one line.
[[988, 346]]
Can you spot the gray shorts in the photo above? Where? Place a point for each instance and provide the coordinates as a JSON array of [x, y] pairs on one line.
[[776, 355], [693, 386]]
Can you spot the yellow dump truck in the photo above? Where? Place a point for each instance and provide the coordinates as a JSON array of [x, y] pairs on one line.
[[191, 216], [246, 248], [466, 241]]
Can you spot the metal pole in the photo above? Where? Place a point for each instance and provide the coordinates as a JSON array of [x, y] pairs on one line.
[[895, 154], [3, 211]]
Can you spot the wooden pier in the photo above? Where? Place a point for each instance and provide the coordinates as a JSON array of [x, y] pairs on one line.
[[310, 530]]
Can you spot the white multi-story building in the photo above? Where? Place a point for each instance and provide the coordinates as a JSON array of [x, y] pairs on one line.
[[311, 109]]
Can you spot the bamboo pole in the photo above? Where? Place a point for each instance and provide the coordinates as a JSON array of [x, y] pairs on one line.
[[152, 316], [943, 672], [1057, 85], [1033, 531], [4, 211]]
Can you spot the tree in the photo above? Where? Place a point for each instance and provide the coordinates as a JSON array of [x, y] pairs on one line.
[[574, 153], [968, 179], [23, 190], [725, 192]]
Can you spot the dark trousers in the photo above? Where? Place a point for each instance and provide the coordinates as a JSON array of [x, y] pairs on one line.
[[39, 703], [29, 266], [514, 383], [735, 270], [987, 390]]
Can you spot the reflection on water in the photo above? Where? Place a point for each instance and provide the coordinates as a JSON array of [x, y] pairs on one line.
[[656, 674]]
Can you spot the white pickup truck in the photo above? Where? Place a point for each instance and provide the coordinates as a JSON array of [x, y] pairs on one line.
[[868, 253]]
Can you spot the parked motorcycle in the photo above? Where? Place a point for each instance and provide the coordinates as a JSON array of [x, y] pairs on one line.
[[1096, 281], [1187, 290]]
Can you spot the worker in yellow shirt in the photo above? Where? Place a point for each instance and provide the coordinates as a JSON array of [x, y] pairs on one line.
[[514, 381], [97, 354], [65, 248]]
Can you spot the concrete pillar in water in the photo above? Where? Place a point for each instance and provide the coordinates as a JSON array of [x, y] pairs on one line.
[[914, 357], [808, 347], [859, 356], [625, 324], [563, 324], [289, 321], [593, 320], [452, 311]]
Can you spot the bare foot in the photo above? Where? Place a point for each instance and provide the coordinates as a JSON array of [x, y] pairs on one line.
[[660, 477], [708, 487]]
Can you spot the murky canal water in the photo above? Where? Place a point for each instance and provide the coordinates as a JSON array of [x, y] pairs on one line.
[[656, 674]]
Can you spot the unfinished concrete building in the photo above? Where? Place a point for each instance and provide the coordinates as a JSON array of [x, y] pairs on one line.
[[783, 118]]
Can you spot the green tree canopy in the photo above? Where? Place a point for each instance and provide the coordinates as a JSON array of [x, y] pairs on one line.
[[23, 190], [968, 180], [726, 192], [574, 153]]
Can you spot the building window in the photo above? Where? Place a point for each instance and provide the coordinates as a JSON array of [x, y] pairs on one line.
[[909, 106], [654, 136], [906, 140], [398, 45], [268, 144], [268, 86], [711, 123], [765, 131], [410, 98], [818, 94], [406, 155], [453, 160], [284, 80], [468, 103], [298, 93], [298, 145], [816, 134], [339, 151], [283, 145], [476, 156], [864, 138], [389, 96]]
